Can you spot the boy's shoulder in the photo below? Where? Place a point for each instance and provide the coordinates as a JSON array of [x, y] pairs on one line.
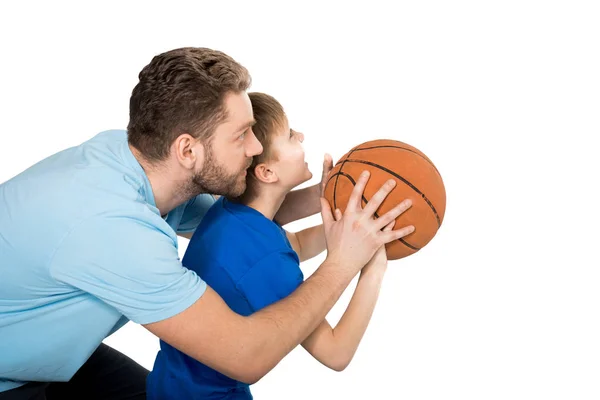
[[234, 237]]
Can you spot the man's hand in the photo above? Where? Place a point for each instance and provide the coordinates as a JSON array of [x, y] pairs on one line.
[[354, 238]]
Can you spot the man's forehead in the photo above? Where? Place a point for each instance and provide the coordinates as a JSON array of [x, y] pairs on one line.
[[238, 111]]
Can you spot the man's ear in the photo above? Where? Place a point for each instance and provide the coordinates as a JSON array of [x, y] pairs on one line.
[[188, 151], [264, 173]]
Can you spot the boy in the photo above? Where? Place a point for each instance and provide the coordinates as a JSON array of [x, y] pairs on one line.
[[251, 262]]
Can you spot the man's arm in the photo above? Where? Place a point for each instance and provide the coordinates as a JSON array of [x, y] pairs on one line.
[[246, 348]]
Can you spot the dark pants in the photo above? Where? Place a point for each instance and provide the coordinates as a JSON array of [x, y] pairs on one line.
[[106, 375]]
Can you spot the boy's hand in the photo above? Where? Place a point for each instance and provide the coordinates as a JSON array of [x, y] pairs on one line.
[[379, 259], [327, 167]]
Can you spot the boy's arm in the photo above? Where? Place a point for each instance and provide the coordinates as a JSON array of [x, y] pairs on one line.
[[299, 204], [308, 242], [336, 347]]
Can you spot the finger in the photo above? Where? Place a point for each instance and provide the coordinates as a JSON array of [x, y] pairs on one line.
[[327, 162], [389, 226], [327, 166], [338, 214], [354, 202], [390, 236], [393, 214], [378, 198], [326, 213]]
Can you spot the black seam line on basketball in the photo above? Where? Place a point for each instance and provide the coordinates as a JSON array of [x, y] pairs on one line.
[[353, 184], [397, 147], [401, 148], [336, 180], [390, 147], [404, 242], [413, 187], [401, 240]]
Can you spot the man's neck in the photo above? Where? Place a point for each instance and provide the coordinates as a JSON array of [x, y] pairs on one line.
[[166, 190]]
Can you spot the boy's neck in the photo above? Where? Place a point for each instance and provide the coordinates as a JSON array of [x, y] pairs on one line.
[[268, 202]]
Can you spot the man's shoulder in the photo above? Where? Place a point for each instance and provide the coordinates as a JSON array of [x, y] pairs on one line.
[[109, 136]]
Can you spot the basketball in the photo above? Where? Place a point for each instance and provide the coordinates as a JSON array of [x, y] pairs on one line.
[[416, 178]]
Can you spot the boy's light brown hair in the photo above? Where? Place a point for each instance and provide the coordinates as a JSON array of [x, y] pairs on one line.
[[270, 118]]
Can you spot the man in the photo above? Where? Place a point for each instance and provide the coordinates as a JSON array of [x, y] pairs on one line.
[[88, 241]]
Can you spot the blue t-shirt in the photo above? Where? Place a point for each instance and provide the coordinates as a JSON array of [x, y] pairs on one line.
[[247, 259], [83, 249]]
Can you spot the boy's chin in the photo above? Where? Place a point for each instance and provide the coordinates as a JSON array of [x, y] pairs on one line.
[[307, 173], [307, 177]]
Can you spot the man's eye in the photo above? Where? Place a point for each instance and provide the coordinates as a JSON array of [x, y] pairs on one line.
[[242, 136]]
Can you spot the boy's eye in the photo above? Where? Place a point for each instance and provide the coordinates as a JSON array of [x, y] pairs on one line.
[[243, 135]]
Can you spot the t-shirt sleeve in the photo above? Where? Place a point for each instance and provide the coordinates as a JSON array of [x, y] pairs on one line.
[[271, 279], [129, 264], [194, 212]]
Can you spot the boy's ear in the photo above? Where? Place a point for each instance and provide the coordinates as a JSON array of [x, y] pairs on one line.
[[265, 174]]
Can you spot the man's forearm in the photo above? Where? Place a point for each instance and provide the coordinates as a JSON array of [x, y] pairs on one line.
[[247, 348], [299, 204]]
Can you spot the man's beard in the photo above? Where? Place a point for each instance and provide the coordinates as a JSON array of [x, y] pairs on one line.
[[215, 179]]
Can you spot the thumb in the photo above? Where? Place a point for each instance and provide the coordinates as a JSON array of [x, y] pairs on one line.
[[326, 213]]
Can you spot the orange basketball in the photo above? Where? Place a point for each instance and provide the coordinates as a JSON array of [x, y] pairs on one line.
[[416, 179]]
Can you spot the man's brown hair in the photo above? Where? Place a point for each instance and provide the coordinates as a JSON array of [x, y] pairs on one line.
[[181, 91]]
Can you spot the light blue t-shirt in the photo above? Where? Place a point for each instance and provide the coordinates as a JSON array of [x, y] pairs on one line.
[[83, 249]]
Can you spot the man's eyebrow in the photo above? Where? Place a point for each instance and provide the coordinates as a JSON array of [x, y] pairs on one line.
[[246, 125]]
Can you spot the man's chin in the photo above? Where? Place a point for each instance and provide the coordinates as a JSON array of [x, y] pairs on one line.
[[237, 190]]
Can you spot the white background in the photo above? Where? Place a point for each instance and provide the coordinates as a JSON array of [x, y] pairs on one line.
[[504, 97]]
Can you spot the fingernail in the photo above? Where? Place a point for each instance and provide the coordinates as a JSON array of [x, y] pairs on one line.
[[392, 182], [365, 174]]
